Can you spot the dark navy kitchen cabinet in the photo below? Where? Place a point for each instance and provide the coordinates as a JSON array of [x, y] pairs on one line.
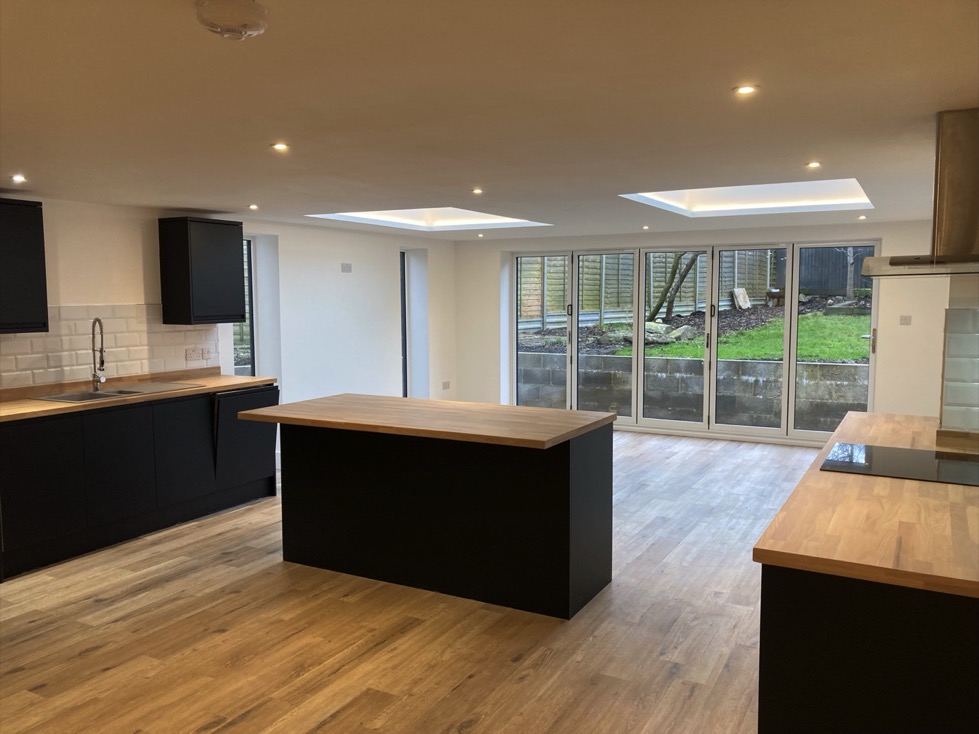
[[183, 433], [120, 468], [202, 271], [41, 499], [23, 280], [75, 483]]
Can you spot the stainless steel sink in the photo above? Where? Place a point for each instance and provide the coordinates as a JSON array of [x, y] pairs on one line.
[[81, 397], [139, 388], [145, 388]]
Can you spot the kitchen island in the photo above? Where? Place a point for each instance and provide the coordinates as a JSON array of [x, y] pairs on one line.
[[870, 597], [510, 505]]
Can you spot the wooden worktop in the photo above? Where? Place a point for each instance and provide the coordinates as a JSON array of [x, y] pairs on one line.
[[15, 407], [922, 535], [507, 425]]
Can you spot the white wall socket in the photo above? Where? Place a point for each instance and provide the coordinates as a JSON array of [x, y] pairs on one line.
[[206, 353], [193, 353]]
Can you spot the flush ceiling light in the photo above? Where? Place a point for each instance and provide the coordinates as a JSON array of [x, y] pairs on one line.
[[862, 217], [745, 89], [280, 147], [253, 207], [800, 196], [235, 20], [19, 178], [813, 165], [477, 191], [437, 219]]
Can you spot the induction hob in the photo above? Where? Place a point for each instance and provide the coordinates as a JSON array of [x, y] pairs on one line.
[[890, 461]]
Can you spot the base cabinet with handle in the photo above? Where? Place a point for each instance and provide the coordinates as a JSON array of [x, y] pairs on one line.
[[75, 483]]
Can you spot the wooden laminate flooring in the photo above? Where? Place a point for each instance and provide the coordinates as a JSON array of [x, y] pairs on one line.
[[203, 628]]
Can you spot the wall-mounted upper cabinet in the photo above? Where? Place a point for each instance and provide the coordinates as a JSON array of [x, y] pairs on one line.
[[202, 271], [23, 283]]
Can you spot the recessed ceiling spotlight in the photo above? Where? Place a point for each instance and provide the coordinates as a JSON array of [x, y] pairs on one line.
[[280, 147], [645, 226], [746, 89], [477, 190], [480, 234], [19, 178], [813, 164], [862, 216], [253, 207]]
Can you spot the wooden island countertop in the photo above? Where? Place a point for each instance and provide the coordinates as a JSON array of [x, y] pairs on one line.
[[505, 425], [916, 534]]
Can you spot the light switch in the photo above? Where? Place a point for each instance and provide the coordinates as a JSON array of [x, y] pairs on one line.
[[905, 319], [346, 267]]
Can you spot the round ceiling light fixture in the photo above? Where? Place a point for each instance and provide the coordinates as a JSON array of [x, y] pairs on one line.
[[235, 20]]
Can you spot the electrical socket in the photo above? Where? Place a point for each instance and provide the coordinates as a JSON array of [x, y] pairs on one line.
[[206, 353], [192, 354]]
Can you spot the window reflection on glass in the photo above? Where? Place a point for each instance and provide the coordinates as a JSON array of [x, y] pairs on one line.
[[244, 334], [848, 453]]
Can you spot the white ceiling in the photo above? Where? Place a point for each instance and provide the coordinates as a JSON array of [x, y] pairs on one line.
[[554, 107]]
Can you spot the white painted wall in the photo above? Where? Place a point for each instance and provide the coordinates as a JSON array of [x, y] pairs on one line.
[[909, 358], [443, 322], [319, 331], [101, 261], [265, 294], [341, 332], [416, 314], [99, 254]]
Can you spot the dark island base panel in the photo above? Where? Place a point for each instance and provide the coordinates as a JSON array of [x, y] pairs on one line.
[[69, 546], [524, 528], [844, 655]]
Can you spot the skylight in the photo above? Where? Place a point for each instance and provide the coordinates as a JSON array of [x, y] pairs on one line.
[[437, 219], [800, 196]]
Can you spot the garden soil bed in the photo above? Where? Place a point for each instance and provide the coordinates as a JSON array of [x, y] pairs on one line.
[[603, 340]]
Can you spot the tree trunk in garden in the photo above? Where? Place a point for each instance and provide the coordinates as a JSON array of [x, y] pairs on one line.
[[679, 284], [672, 286]]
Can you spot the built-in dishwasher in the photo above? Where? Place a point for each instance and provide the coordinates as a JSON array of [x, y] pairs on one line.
[[244, 451]]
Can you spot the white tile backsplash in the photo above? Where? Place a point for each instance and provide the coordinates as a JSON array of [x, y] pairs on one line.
[[960, 388], [136, 342]]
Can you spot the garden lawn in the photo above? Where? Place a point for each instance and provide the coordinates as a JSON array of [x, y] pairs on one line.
[[821, 339]]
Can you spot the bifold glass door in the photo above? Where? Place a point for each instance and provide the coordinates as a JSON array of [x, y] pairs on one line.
[[542, 305], [751, 338], [767, 340], [834, 340], [604, 332], [676, 300]]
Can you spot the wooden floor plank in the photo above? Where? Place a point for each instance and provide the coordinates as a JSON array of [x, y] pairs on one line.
[[203, 628]]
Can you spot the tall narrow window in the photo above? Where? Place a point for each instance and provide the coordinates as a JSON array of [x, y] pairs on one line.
[[404, 326], [244, 332]]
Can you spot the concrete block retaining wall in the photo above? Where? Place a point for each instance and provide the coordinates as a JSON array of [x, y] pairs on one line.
[[749, 392]]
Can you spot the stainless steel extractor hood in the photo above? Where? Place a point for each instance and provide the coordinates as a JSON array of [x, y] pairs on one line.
[[955, 238]]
